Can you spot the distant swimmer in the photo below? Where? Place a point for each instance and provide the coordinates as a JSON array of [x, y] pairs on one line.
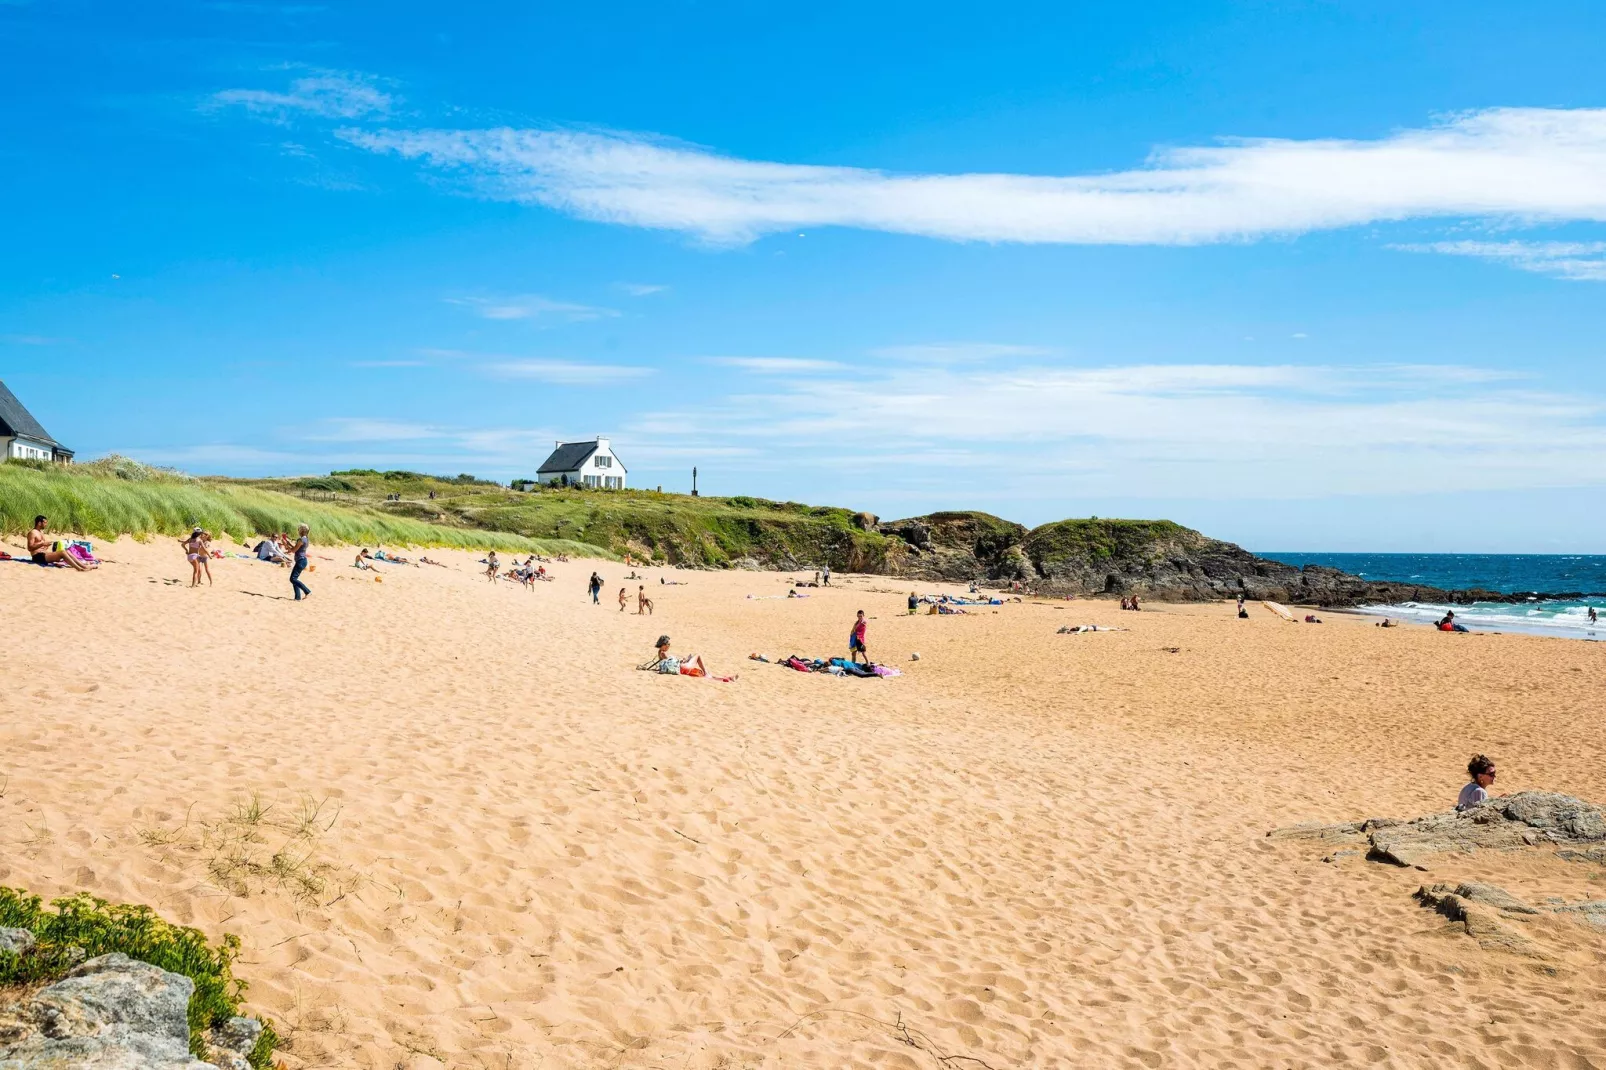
[[1592, 618]]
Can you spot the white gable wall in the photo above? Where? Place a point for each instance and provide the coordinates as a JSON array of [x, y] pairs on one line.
[[602, 469]]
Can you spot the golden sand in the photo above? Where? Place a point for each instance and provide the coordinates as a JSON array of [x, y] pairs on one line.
[[485, 840]]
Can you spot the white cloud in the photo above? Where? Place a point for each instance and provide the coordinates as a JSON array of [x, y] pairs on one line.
[[565, 372], [1579, 260], [361, 429], [957, 352], [776, 365], [530, 306], [1179, 431], [1524, 163], [642, 289], [326, 94]]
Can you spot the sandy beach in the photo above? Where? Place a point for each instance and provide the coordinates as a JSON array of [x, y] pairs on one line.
[[453, 826]]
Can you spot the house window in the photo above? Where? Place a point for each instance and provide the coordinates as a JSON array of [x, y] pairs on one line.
[[604, 462]]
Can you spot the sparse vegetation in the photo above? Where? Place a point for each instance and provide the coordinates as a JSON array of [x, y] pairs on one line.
[[100, 928], [259, 846]]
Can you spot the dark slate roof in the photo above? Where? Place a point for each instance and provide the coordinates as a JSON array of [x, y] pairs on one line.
[[568, 457], [16, 420]]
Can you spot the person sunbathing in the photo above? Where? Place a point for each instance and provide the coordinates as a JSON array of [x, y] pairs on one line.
[[682, 665], [42, 552]]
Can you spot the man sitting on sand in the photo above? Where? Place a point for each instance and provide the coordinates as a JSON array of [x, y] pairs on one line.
[[1476, 793], [364, 559], [41, 551]]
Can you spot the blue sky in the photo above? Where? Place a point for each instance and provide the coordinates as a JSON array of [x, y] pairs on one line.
[[1303, 275]]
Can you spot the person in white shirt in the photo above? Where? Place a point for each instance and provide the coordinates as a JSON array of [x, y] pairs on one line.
[[1476, 793]]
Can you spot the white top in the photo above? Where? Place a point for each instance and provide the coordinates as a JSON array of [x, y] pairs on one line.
[[1474, 794]]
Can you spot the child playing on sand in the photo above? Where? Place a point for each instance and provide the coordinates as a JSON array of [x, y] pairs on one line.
[[914, 603], [1476, 793], [856, 645], [643, 603], [492, 566], [622, 599]]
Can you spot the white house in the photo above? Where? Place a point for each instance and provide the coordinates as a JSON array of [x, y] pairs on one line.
[[585, 464], [22, 437]]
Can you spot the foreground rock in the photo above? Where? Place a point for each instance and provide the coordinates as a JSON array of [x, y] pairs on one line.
[[115, 1013], [1526, 819], [1496, 919]]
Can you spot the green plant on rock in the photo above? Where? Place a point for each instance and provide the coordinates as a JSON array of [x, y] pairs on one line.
[[100, 928]]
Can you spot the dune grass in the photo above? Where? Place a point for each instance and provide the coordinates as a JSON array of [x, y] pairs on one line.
[[95, 503]]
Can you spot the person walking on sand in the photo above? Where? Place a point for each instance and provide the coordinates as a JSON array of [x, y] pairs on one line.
[[1476, 792], [825, 574], [596, 589], [303, 545], [622, 599], [856, 647], [41, 552], [643, 603]]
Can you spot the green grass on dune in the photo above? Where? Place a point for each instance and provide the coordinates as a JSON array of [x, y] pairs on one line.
[[105, 500]]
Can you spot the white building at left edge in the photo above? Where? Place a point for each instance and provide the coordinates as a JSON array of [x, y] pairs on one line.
[[584, 464], [23, 437]]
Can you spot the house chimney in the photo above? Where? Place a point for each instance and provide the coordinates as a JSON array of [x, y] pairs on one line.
[[602, 440], [558, 445]]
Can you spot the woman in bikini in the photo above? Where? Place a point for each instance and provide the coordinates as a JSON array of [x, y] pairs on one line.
[[195, 552]]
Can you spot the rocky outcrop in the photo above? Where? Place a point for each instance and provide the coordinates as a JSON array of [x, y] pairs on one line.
[[111, 1012], [1526, 819], [958, 547], [1154, 559], [115, 1013]]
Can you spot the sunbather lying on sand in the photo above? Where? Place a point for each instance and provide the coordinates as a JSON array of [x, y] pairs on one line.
[[683, 665]]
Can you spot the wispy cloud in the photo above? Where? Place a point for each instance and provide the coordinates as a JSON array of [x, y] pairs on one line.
[[1530, 163], [1200, 430], [565, 372], [363, 429], [776, 365], [322, 93], [642, 289], [957, 352], [1580, 260], [530, 306]]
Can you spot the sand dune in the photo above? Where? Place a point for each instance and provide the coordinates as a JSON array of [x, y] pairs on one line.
[[498, 845]]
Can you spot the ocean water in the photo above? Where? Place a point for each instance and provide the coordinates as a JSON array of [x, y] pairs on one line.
[[1506, 573]]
